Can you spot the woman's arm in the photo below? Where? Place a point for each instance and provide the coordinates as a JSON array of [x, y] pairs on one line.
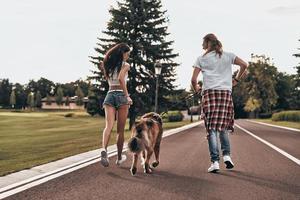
[[194, 81], [243, 66], [122, 81]]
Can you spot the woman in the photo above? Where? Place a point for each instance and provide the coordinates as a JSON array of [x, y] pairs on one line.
[[217, 105], [117, 100]]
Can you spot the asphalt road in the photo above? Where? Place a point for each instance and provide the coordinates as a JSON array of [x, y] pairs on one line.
[[260, 172]]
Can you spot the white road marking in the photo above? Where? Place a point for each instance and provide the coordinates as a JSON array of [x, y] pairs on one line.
[[294, 159]]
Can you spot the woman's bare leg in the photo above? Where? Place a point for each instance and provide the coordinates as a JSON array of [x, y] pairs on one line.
[[109, 124], [121, 121]]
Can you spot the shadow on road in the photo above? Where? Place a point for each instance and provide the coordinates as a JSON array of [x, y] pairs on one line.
[[273, 184]]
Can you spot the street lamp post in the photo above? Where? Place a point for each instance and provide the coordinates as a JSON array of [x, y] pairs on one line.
[[157, 67]]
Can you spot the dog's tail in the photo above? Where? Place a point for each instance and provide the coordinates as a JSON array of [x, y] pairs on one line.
[[135, 145]]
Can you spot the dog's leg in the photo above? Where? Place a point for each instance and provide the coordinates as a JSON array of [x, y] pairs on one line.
[[133, 168], [156, 153], [147, 168], [157, 150], [143, 157]]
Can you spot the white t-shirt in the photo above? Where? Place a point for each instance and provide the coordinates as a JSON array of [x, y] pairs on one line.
[[217, 72]]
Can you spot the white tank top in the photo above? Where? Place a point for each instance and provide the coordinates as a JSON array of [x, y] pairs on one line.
[[113, 80]]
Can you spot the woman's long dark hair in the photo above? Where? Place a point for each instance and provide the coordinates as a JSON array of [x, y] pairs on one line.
[[216, 45], [114, 58]]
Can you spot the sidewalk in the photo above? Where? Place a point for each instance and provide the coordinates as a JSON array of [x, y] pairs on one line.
[[54, 169]]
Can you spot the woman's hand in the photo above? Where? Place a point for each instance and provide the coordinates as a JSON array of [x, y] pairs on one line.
[[129, 100]]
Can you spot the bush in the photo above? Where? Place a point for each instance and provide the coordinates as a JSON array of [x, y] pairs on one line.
[[293, 116], [172, 116], [70, 115]]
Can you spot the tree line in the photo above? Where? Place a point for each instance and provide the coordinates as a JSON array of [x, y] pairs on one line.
[[30, 95]]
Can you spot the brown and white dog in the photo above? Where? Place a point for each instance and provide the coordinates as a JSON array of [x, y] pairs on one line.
[[145, 139]]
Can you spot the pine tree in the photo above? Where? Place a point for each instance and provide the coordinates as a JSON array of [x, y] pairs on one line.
[[143, 26]]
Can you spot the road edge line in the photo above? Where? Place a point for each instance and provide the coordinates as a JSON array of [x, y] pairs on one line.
[[294, 159]]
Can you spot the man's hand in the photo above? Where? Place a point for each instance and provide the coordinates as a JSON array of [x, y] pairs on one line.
[[197, 88], [234, 82]]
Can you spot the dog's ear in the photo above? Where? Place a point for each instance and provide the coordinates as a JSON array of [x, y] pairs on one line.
[[149, 122]]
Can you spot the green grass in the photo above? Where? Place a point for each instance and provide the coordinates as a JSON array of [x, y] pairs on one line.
[[31, 139], [281, 123]]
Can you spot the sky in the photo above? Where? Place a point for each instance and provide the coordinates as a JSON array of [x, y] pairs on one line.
[[54, 38]]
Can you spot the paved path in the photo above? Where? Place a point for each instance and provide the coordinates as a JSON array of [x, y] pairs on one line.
[[260, 173]]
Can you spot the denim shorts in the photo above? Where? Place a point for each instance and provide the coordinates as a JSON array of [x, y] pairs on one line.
[[115, 99]]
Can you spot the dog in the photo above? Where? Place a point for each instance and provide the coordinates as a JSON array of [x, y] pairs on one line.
[[145, 139]]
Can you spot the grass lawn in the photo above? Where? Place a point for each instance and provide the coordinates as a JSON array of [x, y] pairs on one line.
[[30, 139], [281, 123]]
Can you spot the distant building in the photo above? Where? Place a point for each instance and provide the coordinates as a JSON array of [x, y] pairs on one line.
[[51, 103]]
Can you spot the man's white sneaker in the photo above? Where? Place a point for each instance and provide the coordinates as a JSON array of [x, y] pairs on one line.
[[215, 167], [228, 162], [123, 159]]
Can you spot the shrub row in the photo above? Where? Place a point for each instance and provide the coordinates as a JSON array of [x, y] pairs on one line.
[[293, 116]]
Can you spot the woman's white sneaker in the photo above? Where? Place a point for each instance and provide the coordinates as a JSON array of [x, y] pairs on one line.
[[214, 167], [228, 162]]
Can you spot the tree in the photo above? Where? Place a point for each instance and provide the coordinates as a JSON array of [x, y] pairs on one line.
[[30, 100], [13, 99], [44, 86], [93, 106], [84, 86], [240, 96], [284, 88], [143, 25], [67, 103], [5, 90], [21, 96], [256, 93], [69, 89], [297, 54], [80, 96], [59, 96], [295, 101], [38, 99], [260, 85]]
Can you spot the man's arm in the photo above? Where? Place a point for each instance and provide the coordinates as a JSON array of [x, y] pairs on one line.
[[194, 81]]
